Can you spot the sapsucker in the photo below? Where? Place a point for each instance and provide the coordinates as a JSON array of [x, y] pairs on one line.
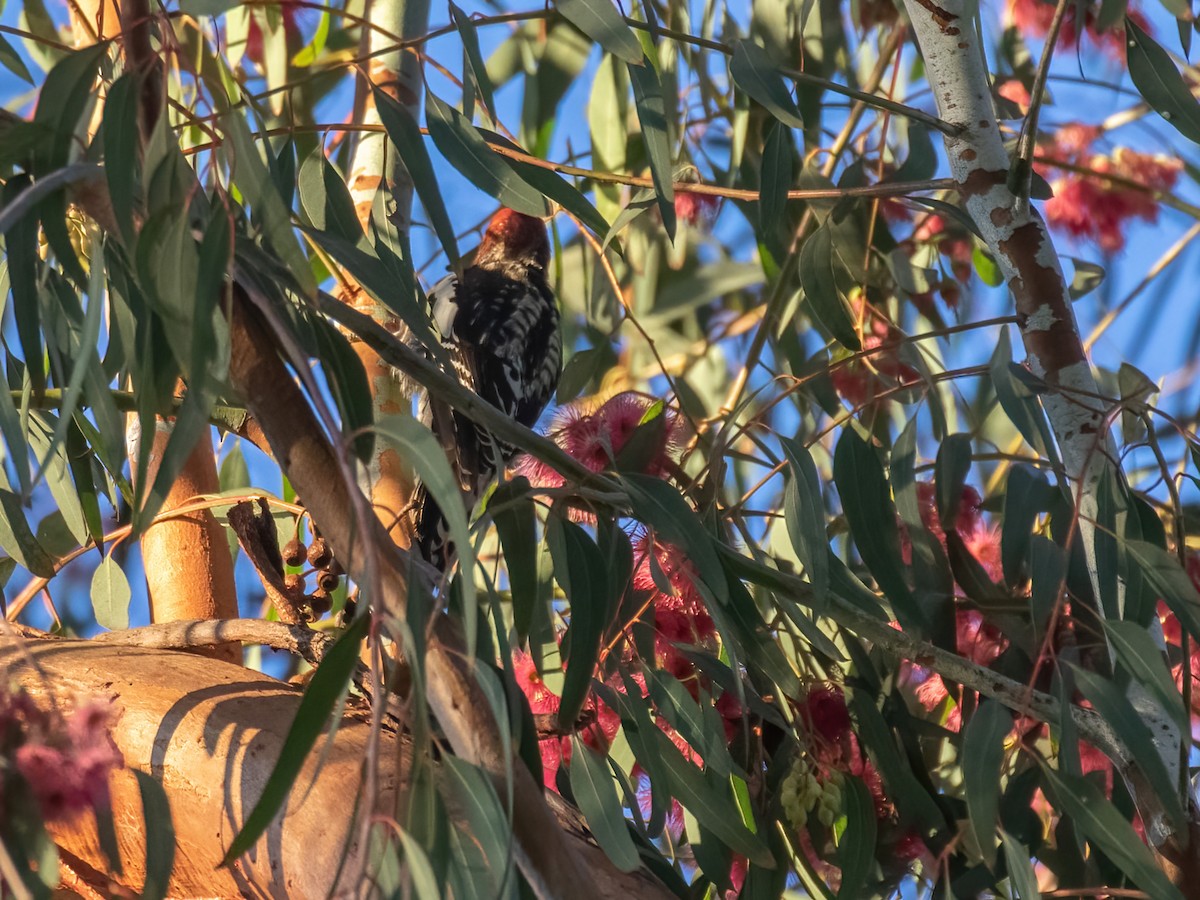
[[498, 323]]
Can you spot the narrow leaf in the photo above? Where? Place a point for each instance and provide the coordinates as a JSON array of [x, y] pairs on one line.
[[601, 21], [596, 795], [1157, 79], [982, 756], [1102, 824], [753, 72], [460, 143], [651, 111]]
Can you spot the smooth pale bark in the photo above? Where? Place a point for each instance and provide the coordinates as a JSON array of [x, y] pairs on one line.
[[189, 569], [376, 167], [1018, 238], [211, 733]]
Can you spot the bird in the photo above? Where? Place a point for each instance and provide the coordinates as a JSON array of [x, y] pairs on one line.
[[499, 324]]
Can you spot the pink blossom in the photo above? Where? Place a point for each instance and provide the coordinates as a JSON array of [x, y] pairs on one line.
[[1033, 18], [65, 762], [1087, 205], [1015, 92], [860, 380], [596, 438], [698, 210]]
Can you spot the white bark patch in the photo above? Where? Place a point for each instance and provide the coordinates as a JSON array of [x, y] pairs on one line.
[[1043, 319], [978, 162]]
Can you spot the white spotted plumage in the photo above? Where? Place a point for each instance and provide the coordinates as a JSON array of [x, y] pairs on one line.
[[498, 323]]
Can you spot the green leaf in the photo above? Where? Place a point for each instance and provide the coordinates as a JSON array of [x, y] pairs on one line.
[[160, 837], [804, 513], [1166, 576], [951, 470], [1157, 79], [775, 179], [607, 115], [579, 567], [347, 380], [1023, 501], [1018, 402], [600, 21], [416, 443], [982, 757], [579, 372], [856, 848], [753, 72], [11, 60], [711, 801], [596, 795], [18, 541], [687, 716], [420, 870], [234, 473], [460, 143], [1128, 724], [821, 291], [488, 833], [1137, 652], [554, 186], [111, 595], [1111, 832], [253, 179], [684, 293], [470, 42], [404, 132], [651, 112], [121, 156], [326, 199], [21, 254], [1021, 875], [863, 488], [1086, 278], [516, 523], [312, 716], [65, 95]]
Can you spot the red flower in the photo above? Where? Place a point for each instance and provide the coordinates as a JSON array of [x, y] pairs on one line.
[[596, 438], [981, 539], [1089, 205], [542, 701], [1016, 92], [1033, 18], [860, 380], [65, 762], [698, 210]]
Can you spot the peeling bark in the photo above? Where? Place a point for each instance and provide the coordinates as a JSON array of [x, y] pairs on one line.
[[1019, 240]]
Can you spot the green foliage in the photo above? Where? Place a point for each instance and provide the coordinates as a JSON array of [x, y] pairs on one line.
[[779, 562]]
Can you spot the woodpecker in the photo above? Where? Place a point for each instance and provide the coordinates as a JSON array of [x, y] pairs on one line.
[[499, 324]]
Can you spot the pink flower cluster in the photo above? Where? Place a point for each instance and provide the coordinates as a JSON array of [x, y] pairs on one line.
[[597, 436], [681, 619], [977, 640], [833, 746], [1090, 204], [1033, 18], [64, 761]]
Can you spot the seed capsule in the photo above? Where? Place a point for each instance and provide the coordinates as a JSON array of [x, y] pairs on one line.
[[293, 552], [319, 554]]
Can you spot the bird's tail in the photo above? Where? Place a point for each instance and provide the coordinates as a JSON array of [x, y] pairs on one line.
[[431, 534]]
